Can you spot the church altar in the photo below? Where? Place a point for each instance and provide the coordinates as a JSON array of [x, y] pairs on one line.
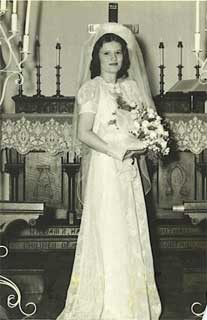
[[44, 142]]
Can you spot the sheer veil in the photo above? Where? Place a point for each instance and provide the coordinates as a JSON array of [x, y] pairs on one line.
[[136, 72]]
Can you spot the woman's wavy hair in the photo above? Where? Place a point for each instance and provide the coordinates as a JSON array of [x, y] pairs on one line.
[[95, 66]]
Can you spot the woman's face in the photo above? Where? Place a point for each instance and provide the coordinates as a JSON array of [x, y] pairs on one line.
[[111, 57]]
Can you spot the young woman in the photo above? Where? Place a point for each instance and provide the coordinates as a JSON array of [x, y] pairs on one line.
[[113, 275]]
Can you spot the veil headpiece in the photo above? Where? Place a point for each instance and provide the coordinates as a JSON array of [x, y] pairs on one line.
[[136, 71]]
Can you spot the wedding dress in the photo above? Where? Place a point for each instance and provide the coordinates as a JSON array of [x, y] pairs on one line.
[[113, 275]]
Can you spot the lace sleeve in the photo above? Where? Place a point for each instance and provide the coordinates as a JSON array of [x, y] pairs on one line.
[[87, 97]]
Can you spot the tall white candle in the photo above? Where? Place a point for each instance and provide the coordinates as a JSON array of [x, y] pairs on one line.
[[161, 47], [197, 29], [26, 32], [14, 9], [197, 42], [3, 5], [26, 43], [58, 47], [180, 54], [14, 23]]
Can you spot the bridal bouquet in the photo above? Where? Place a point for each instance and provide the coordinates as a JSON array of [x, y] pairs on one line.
[[145, 124]]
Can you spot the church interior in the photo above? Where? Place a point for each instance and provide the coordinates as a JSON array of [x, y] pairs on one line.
[[40, 45]]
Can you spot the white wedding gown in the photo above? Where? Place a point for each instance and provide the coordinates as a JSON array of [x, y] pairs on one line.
[[113, 275]]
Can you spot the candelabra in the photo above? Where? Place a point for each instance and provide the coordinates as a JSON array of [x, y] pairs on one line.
[[7, 37]]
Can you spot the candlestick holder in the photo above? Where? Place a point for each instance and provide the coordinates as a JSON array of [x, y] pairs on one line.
[[13, 67], [180, 75], [38, 82], [197, 67], [162, 67], [180, 66], [58, 67]]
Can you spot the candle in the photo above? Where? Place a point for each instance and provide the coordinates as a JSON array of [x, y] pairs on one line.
[[14, 9], [3, 5], [161, 47], [197, 16], [14, 23], [180, 48], [197, 42], [26, 43], [58, 47], [26, 32], [37, 51]]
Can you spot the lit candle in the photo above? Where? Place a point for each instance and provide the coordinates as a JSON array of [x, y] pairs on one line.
[[26, 32], [58, 47], [161, 47], [3, 5], [180, 48], [14, 9]]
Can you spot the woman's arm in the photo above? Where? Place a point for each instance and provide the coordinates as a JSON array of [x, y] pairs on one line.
[[92, 140], [87, 136]]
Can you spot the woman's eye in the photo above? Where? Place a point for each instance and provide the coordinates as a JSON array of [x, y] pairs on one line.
[[106, 53], [118, 52]]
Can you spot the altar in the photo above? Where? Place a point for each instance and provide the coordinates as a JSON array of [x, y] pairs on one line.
[[35, 146], [41, 215]]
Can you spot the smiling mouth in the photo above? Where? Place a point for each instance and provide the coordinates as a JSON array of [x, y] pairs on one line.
[[113, 64]]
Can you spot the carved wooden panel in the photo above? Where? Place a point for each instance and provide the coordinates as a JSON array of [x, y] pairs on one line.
[[176, 180], [43, 178]]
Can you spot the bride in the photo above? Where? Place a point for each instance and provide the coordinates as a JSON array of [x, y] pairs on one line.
[[113, 275]]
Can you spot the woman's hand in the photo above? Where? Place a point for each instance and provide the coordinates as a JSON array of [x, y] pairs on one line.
[[134, 153]]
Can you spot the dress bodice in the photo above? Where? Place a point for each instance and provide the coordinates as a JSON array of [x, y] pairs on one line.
[[100, 97]]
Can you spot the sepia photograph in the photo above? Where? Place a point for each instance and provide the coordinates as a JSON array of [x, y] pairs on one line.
[[103, 160]]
